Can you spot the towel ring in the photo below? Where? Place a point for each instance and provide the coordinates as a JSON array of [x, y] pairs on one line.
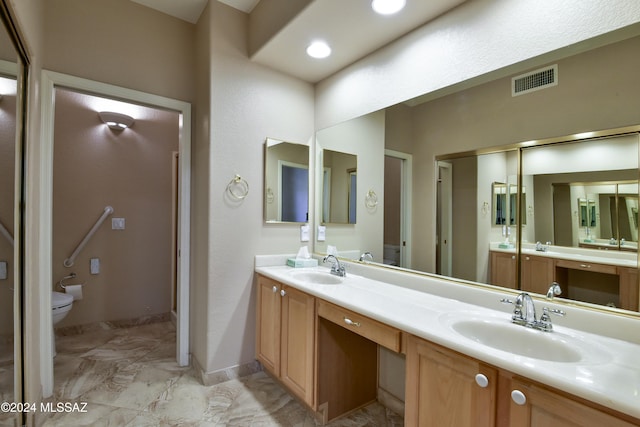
[[238, 188], [371, 199]]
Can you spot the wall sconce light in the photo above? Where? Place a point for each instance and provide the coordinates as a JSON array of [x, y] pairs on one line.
[[116, 121]]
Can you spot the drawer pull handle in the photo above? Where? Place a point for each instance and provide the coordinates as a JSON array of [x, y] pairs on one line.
[[283, 292], [585, 266], [482, 380], [275, 289], [351, 322], [518, 397]]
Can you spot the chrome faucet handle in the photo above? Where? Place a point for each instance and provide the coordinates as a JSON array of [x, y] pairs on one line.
[[545, 320]]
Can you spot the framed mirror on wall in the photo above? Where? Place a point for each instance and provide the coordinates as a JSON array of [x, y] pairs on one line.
[[286, 182], [13, 78]]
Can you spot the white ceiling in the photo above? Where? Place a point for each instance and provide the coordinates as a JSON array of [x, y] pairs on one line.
[[350, 26]]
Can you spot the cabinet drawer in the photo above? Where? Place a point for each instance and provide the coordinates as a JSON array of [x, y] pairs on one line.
[[587, 266], [371, 329]]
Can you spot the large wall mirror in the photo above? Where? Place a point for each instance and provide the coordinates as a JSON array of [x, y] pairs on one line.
[[286, 181], [476, 188], [13, 61]]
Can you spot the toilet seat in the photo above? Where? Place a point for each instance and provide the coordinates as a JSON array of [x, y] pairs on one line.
[[60, 300]]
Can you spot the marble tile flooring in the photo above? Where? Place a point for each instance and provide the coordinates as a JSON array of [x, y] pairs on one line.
[[129, 377]]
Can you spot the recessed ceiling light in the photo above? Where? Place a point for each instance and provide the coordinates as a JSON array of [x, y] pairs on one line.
[[318, 49], [387, 7]]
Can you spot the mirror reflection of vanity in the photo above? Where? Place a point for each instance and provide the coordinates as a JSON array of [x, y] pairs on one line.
[[476, 138], [286, 181]]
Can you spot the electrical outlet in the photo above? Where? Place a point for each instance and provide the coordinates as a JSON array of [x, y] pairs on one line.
[[322, 233], [304, 233]]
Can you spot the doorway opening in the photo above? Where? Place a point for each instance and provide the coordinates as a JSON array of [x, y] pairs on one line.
[[51, 81], [397, 208]]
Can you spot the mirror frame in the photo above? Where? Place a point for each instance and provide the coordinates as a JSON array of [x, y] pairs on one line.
[[9, 21]]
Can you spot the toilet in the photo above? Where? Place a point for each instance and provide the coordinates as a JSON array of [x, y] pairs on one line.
[[60, 305]]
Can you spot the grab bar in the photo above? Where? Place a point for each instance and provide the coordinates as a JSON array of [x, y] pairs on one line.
[[5, 233], [69, 261]]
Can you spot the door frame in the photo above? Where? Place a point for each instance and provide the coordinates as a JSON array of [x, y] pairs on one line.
[[42, 192], [444, 207]]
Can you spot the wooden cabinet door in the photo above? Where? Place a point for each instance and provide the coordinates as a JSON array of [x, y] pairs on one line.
[[268, 324], [629, 294], [298, 338], [503, 269], [537, 273], [441, 388], [545, 408]]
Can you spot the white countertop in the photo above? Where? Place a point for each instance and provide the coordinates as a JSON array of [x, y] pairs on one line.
[[610, 375], [612, 257]]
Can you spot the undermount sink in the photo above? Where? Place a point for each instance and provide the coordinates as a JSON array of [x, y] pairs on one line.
[[317, 277], [501, 334]]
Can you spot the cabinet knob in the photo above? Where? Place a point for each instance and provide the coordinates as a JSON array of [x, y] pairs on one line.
[[518, 397], [274, 289], [482, 380], [513, 257], [283, 292], [351, 322], [527, 258]]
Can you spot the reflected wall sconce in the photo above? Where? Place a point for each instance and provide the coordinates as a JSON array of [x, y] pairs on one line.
[[116, 121]]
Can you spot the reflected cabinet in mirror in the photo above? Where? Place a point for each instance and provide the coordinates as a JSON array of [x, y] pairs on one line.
[[286, 181]]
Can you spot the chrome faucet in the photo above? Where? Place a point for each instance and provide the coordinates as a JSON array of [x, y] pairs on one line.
[[554, 290], [524, 312], [337, 268], [365, 256]]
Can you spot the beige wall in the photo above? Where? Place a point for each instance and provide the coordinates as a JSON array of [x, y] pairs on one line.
[[122, 43], [131, 171], [248, 103]]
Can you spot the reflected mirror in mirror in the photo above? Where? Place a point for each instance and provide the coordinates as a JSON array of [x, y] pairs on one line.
[[286, 182], [580, 209], [339, 183]]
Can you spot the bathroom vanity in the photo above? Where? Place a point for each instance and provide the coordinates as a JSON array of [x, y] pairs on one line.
[[319, 336], [571, 267]]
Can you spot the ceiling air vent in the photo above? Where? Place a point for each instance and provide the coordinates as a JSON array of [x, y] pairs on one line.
[[534, 80]]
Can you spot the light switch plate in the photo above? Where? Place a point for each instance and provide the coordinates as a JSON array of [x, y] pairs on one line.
[[95, 265]]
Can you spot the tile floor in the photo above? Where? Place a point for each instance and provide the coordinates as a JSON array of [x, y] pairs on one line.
[[128, 377]]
